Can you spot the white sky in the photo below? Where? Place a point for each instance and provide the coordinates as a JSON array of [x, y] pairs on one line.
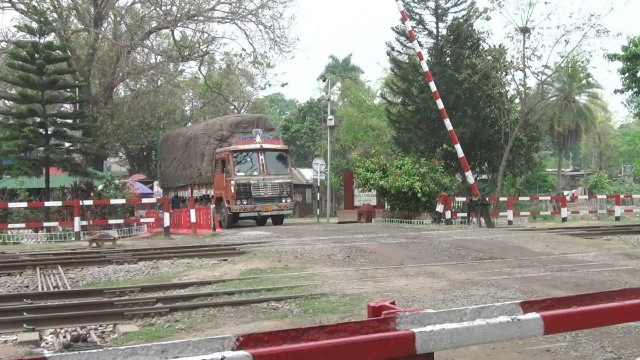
[[362, 27]]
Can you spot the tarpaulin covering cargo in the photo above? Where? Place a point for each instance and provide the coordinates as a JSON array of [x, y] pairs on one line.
[[186, 156]]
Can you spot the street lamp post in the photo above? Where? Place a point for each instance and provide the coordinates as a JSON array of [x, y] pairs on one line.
[[330, 124], [328, 149]]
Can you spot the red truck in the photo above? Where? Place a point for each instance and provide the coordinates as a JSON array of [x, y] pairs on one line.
[[236, 161]]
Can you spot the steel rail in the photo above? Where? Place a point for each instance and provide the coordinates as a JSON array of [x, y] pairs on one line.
[[22, 266], [123, 303], [84, 251], [107, 292], [112, 316]]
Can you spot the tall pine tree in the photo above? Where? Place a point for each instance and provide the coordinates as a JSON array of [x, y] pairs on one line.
[[471, 77], [38, 116]]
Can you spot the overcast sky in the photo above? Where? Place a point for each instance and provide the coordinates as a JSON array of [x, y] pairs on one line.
[[362, 27]]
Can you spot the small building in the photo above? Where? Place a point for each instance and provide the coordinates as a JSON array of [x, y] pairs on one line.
[[303, 192]]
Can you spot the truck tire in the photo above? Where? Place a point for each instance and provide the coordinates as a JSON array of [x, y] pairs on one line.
[[225, 218], [277, 220], [262, 221]]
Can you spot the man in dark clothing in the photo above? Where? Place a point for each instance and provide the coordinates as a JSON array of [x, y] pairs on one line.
[[175, 201]]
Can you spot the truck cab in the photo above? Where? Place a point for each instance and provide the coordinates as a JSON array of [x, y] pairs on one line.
[[253, 181]]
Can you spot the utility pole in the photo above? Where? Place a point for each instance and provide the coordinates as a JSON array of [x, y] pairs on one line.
[[328, 149], [330, 123]]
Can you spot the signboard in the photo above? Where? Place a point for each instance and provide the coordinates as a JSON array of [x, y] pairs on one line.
[[157, 190], [362, 197], [319, 166]]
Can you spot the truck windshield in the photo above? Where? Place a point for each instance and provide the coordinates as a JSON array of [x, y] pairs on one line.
[[246, 163], [277, 162]]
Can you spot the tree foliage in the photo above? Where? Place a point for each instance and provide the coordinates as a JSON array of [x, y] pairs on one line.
[[406, 182], [111, 42], [629, 70], [302, 132], [472, 79], [362, 127], [40, 122], [276, 106], [573, 100], [138, 118]]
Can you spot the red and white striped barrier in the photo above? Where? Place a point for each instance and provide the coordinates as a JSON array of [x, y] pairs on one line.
[[393, 333], [466, 169], [562, 201], [77, 222]]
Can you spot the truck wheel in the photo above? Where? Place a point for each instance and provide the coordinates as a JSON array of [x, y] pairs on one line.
[[235, 218], [277, 220], [261, 221], [225, 218]]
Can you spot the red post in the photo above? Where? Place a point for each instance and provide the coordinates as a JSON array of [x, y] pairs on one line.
[[618, 208], [447, 210], [347, 179], [564, 212]]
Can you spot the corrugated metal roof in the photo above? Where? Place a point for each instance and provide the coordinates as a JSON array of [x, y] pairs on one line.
[[299, 177]]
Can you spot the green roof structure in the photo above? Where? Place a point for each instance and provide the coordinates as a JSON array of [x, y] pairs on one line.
[[57, 181]]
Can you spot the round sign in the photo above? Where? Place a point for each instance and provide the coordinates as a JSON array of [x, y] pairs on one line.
[[319, 164]]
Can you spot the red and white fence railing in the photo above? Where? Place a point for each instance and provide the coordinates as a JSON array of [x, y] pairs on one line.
[[562, 206], [393, 333], [76, 222]]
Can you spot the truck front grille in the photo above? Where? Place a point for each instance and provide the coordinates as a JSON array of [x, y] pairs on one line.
[[265, 189]]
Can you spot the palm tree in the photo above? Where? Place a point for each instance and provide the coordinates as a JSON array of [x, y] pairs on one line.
[[341, 69], [573, 101]]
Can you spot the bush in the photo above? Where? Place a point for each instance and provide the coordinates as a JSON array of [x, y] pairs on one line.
[[406, 183]]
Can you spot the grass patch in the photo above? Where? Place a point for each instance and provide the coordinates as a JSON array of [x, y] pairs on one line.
[[277, 270], [148, 334], [333, 305], [263, 282], [160, 278]]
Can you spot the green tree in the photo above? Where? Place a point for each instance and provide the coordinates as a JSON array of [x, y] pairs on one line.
[[40, 120], [276, 106], [472, 79], [573, 100], [601, 148], [302, 132], [341, 69], [225, 85], [362, 128], [629, 145], [629, 57], [406, 182], [545, 32], [139, 117], [112, 42]]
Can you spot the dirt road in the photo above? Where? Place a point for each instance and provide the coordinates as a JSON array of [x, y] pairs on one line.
[[438, 267], [429, 267]]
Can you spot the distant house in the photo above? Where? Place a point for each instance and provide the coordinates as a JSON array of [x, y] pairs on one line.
[[571, 178], [303, 192]]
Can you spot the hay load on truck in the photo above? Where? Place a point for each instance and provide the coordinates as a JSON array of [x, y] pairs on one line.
[[237, 160]]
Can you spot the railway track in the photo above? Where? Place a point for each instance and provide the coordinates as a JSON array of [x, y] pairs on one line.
[[109, 311], [590, 232], [17, 262], [85, 251], [13, 299]]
